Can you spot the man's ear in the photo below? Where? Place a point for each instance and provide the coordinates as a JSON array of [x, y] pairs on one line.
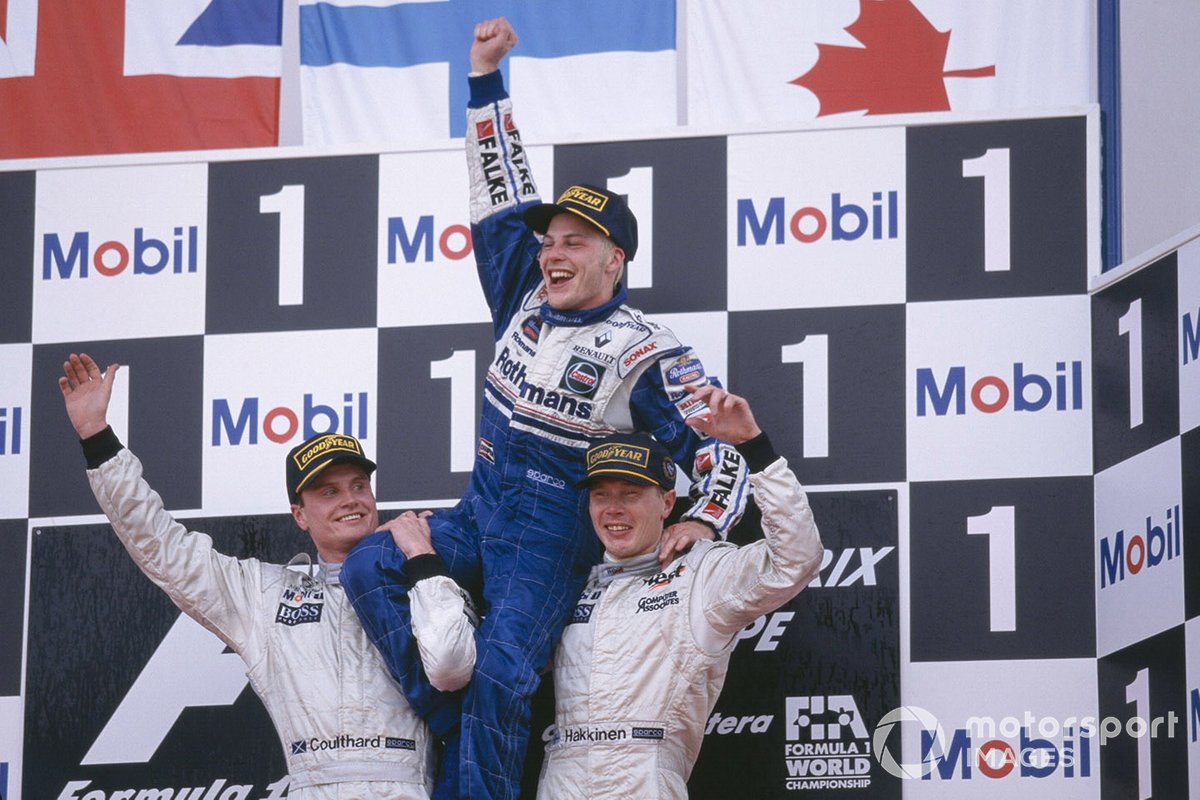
[[299, 515], [616, 261], [668, 503]]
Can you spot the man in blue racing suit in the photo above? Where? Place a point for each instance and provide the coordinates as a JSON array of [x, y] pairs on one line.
[[573, 364]]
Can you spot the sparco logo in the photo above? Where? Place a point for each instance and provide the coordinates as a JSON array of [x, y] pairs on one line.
[[549, 480], [658, 603]]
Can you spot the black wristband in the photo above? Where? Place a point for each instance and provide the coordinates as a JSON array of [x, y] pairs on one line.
[[758, 452], [100, 447], [426, 565]]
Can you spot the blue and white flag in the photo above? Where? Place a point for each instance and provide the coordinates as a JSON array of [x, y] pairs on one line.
[[396, 72]]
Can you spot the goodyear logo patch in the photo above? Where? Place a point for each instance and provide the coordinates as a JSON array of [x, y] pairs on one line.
[[631, 455], [584, 197], [329, 443]]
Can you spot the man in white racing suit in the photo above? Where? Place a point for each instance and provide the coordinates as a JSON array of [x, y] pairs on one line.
[[644, 657], [347, 731]]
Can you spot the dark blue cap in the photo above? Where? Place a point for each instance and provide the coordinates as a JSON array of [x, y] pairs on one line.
[[607, 211], [631, 457]]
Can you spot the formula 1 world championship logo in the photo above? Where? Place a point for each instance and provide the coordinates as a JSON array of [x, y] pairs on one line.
[[827, 743]]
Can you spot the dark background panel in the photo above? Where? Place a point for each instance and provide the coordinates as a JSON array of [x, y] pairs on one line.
[[341, 210], [12, 604], [415, 412], [165, 422], [17, 193], [1164, 658], [1048, 209], [843, 638], [689, 214], [949, 570], [1189, 457], [866, 387], [1113, 439], [94, 623]]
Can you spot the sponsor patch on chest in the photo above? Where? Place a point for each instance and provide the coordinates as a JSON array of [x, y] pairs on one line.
[[581, 377], [582, 614], [298, 606], [657, 602]]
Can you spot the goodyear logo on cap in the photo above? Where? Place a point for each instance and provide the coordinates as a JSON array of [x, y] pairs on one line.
[[329, 443], [585, 197], [619, 454]]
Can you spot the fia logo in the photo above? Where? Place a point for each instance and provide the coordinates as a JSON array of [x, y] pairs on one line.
[[823, 718]]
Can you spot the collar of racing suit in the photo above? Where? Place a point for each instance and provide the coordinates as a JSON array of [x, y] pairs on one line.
[[585, 316], [300, 571], [605, 573]]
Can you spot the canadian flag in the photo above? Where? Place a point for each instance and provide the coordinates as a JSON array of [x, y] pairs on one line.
[[786, 63]]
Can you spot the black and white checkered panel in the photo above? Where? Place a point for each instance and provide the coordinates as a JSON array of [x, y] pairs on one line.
[[905, 306], [1146, 341]]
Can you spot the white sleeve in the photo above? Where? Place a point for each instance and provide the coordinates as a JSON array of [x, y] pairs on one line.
[[443, 621], [216, 590], [735, 586]]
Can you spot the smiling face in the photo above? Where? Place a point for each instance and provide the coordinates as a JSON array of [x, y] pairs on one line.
[[628, 517], [337, 509], [579, 264]]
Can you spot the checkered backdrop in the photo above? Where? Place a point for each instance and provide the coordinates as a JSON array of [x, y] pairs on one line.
[[905, 304]]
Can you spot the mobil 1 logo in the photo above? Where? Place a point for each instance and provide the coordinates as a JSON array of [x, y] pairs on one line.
[[156, 410], [676, 189], [1001, 569], [292, 244], [429, 407], [998, 209], [1146, 718], [1135, 374], [829, 385]]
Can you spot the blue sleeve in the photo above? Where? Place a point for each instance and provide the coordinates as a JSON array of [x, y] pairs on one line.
[[720, 479]]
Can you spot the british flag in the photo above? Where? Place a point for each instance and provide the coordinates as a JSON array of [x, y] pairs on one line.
[[121, 76]]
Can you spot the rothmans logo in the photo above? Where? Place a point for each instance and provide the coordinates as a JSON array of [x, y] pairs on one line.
[[329, 443], [585, 197], [619, 454]]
